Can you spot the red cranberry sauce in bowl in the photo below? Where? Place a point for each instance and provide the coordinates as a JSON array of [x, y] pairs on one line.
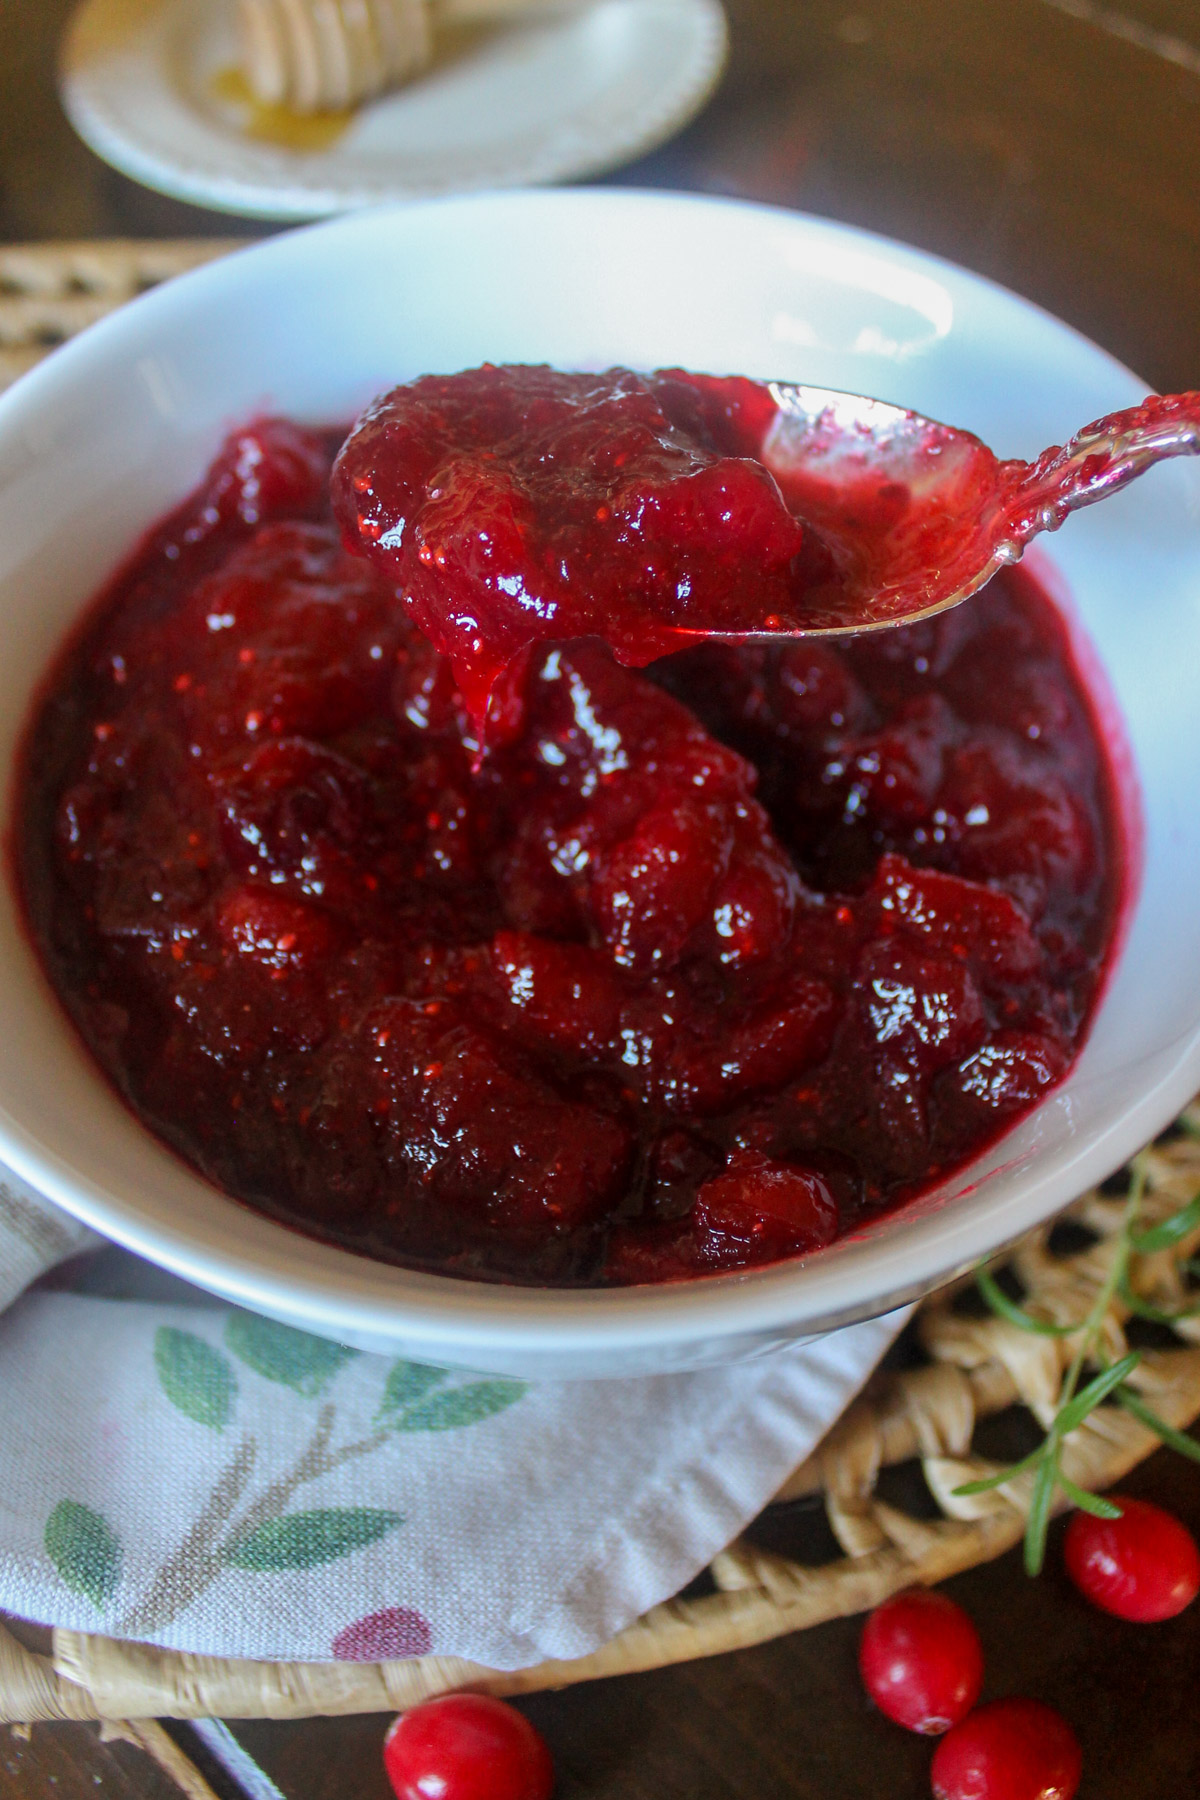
[[684, 970]]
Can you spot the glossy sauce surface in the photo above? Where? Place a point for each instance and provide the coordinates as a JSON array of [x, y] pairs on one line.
[[519, 505], [684, 972]]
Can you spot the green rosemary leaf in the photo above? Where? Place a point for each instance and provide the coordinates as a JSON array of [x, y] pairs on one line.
[[1087, 1502], [1109, 1383], [1142, 1309], [1170, 1232], [988, 1482], [1174, 1440], [1008, 1309], [1038, 1522], [1072, 1415]]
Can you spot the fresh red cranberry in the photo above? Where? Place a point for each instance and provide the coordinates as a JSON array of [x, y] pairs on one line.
[[1014, 1749], [1143, 1566], [467, 1747], [921, 1661]]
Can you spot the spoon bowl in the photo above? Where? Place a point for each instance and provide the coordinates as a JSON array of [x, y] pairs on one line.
[[918, 516]]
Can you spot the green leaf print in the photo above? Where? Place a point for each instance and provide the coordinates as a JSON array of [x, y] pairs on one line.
[[461, 1406], [301, 1540], [407, 1383], [84, 1549], [300, 1361], [195, 1378]]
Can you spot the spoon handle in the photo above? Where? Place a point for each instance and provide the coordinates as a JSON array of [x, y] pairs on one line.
[[1098, 460]]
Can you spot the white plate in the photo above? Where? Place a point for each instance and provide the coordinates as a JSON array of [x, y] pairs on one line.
[[116, 426], [551, 100]]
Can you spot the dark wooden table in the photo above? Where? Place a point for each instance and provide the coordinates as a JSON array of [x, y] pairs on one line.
[[1055, 146]]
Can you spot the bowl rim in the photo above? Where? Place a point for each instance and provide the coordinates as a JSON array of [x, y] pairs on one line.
[[337, 1290]]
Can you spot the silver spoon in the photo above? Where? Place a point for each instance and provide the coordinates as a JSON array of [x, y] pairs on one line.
[[918, 516]]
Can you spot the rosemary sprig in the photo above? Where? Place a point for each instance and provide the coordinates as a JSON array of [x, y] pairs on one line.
[[1171, 1232], [1110, 1383], [1172, 1438], [1008, 1309]]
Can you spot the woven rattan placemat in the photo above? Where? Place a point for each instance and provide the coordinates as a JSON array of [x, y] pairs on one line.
[[48, 292], [970, 1367]]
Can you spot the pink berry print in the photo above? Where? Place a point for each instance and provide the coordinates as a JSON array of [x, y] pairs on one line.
[[380, 1636]]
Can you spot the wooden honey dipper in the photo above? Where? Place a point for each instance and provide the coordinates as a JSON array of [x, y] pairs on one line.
[[327, 55]]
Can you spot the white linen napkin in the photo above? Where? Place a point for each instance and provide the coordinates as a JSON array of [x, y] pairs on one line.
[[195, 1476]]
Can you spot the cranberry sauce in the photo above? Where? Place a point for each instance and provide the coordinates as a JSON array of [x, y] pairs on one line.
[[685, 972], [513, 505]]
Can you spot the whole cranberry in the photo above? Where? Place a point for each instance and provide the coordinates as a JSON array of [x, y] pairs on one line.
[[1142, 1566], [921, 1661], [1009, 1750], [467, 1747]]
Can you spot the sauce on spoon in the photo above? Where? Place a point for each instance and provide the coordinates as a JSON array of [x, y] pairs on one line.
[[511, 505]]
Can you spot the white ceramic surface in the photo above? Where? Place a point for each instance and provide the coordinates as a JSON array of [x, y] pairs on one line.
[[549, 99], [103, 437]]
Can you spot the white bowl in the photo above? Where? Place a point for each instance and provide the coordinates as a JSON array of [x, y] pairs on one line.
[[100, 440]]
